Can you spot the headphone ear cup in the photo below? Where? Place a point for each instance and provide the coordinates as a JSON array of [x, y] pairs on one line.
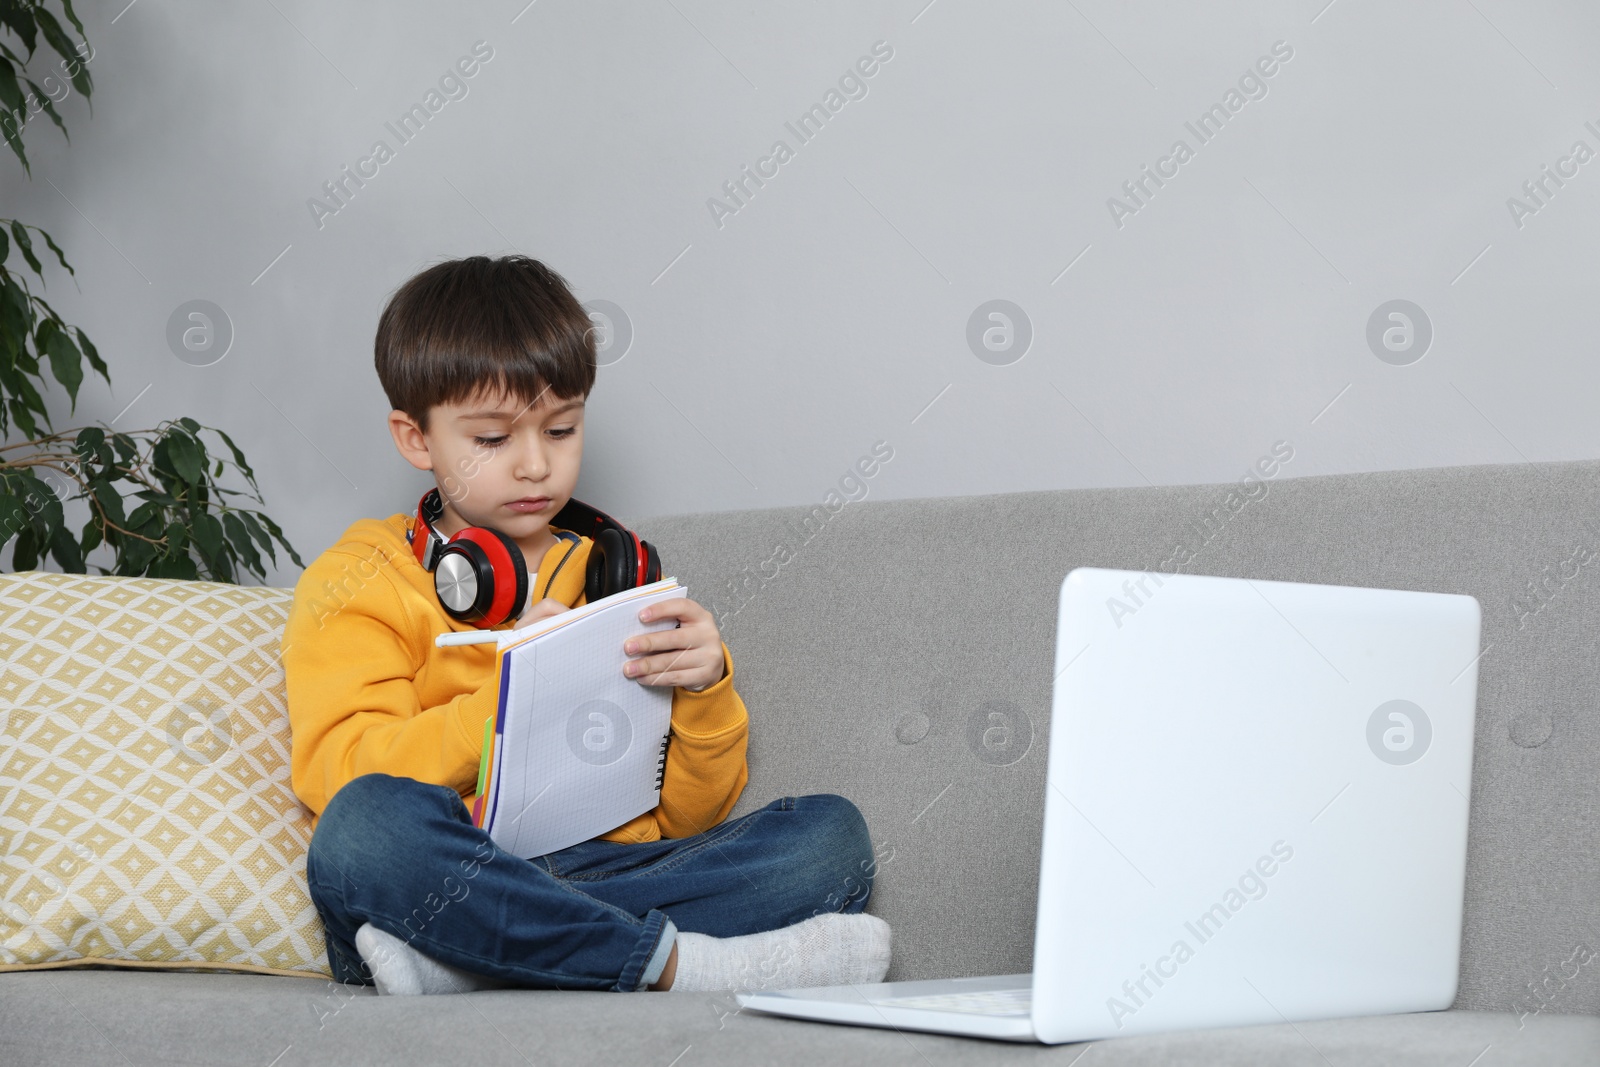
[[481, 577], [611, 566], [652, 568], [518, 581]]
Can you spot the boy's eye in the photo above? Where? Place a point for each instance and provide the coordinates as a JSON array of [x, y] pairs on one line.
[[496, 442]]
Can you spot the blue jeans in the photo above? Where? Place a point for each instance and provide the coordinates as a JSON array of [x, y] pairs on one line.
[[404, 855]]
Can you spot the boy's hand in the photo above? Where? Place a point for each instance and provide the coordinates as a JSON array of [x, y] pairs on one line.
[[542, 609], [689, 655]]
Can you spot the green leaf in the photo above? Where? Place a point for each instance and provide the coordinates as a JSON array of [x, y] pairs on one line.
[[48, 106], [16, 314], [88, 440], [262, 539], [28, 364], [8, 354], [22, 416], [25, 243], [110, 500], [189, 424], [241, 541], [142, 515], [94, 357], [59, 256], [66, 363], [26, 555], [238, 458], [126, 449], [278, 533], [16, 16], [56, 36], [77, 70], [18, 415], [68, 5], [134, 556], [64, 547], [44, 508], [14, 139], [17, 300], [186, 457], [156, 496], [208, 536], [25, 390], [10, 91], [179, 566], [13, 517], [91, 536], [5, 246]]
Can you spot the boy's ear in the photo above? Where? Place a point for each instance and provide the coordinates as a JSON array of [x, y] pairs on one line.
[[409, 441]]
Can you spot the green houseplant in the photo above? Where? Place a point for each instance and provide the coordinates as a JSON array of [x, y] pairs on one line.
[[182, 525]]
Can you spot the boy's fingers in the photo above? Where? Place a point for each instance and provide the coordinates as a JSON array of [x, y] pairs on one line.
[[660, 641], [650, 668], [678, 608], [541, 609]]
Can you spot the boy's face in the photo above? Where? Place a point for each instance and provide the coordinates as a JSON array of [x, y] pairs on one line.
[[493, 450]]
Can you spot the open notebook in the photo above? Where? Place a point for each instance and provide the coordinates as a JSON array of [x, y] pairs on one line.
[[576, 748]]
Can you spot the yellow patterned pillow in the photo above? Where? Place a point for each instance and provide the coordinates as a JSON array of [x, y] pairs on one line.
[[146, 815]]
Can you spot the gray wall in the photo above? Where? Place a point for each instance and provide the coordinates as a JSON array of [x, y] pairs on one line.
[[1174, 340]]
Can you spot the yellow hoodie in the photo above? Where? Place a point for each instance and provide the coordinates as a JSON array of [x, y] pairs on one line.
[[369, 691]]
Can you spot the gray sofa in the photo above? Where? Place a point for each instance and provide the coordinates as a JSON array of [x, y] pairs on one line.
[[862, 650]]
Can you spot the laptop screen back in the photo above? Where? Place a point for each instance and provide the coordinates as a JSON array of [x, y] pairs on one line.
[[1256, 803]]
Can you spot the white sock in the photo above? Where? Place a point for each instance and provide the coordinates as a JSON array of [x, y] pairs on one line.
[[398, 969], [834, 948]]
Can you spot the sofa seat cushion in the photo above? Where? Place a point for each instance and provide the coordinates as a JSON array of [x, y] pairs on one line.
[[146, 815], [91, 1016]]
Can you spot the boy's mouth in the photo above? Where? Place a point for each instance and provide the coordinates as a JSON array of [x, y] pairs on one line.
[[530, 503]]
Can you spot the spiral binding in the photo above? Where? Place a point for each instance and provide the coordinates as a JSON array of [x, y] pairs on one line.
[[661, 760]]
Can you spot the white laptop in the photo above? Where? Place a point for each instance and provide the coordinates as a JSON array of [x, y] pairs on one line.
[[1255, 812]]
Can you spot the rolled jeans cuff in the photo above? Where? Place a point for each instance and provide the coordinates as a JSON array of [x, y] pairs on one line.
[[658, 961]]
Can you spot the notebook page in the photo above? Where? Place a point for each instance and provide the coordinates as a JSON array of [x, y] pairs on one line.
[[510, 639], [516, 636], [582, 743]]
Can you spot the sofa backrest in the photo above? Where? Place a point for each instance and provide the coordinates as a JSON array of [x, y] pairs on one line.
[[873, 643]]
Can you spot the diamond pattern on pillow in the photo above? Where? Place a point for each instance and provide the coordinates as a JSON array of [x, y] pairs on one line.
[[146, 815]]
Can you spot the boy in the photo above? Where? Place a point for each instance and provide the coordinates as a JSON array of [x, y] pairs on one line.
[[487, 364]]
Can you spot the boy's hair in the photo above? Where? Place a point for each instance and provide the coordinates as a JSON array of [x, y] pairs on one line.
[[464, 325]]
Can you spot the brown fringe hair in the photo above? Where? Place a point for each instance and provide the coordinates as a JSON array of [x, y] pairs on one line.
[[507, 325]]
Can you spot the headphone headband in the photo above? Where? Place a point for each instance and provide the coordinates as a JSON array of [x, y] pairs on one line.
[[576, 516], [430, 509]]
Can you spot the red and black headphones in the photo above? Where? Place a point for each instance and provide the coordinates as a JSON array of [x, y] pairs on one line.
[[481, 575]]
